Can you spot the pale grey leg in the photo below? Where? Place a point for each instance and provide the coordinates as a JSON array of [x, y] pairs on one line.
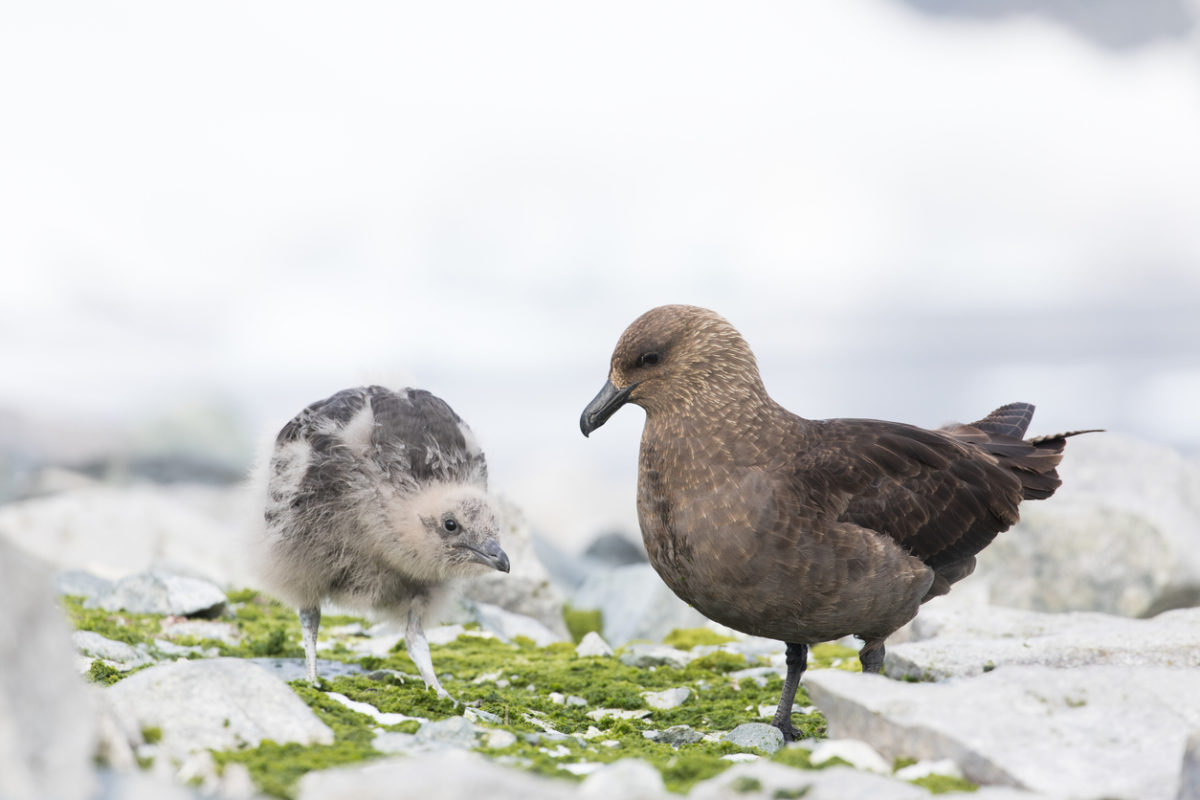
[[310, 620], [418, 651]]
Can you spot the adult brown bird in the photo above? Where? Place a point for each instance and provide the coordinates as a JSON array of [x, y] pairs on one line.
[[805, 530]]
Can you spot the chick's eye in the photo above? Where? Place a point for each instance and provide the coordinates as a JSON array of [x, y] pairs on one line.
[[647, 359], [450, 525]]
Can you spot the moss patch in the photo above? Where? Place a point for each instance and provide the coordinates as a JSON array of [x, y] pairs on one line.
[[582, 621], [512, 681], [941, 784]]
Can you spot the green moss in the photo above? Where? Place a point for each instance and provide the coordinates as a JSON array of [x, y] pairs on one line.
[[581, 621], [120, 626], [687, 638], [798, 757], [152, 735], [103, 674], [719, 662], [941, 784], [745, 783], [790, 794], [831, 654]]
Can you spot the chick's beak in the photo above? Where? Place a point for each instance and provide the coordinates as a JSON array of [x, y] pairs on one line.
[[489, 554], [603, 406]]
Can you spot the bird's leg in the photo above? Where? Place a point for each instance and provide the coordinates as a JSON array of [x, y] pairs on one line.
[[797, 660], [310, 620], [871, 656], [418, 650]]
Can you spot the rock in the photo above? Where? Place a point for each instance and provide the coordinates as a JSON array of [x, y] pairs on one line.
[[508, 625], [854, 752], [679, 734], [526, 589], [114, 531], [290, 669], [382, 717], [1122, 535], [1086, 732], [451, 731], [81, 583], [448, 775], [923, 769], [643, 656], [668, 698], [756, 735], [225, 632], [593, 644], [1189, 776], [628, 778], [160, 592], [614, 549], [47, 738], [765, 779], [618, 713], [636, 604], [120, 655], [498, 739], [220, 703], [954, 641]]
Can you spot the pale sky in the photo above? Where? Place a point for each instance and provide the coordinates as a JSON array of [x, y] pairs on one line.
[[908, 217]]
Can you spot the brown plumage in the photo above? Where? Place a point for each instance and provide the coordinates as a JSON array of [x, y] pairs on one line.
[[805, 530]]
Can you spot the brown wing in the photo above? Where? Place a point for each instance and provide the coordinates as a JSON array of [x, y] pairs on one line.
[[941, 498]]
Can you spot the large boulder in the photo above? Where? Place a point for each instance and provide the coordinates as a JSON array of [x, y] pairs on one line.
[[47, 737], [1122, 535], [526, 589], [636, 604], [114, 531], [1095, 731], [219, 704], [951, 640]]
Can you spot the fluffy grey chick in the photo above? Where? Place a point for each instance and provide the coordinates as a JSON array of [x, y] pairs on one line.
[[377, 500]]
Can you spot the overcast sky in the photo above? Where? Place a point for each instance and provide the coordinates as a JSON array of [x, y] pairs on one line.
[[909, 215]]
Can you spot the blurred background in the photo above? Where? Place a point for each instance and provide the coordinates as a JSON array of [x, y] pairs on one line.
[[212, 215]]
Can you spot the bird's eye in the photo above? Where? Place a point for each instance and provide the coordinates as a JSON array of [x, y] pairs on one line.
[[450, 525], [647, 359]]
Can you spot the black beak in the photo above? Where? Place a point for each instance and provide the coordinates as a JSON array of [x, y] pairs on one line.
[[488, 553], [603, 406]]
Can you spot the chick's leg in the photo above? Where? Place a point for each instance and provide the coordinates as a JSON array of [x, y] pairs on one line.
[[418, 651], [310, 621]]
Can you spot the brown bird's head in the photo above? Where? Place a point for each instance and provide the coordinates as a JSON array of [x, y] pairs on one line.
[[677, 359]]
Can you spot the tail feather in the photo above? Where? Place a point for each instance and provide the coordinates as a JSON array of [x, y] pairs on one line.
[[1034, 461]]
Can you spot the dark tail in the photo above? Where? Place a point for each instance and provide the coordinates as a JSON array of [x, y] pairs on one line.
[[1035, 461]]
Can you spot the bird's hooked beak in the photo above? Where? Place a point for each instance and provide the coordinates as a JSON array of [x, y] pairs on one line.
[[489, 554], [603, 406]]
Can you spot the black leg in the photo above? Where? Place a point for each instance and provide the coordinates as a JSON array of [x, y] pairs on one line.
[[797, 660], [871, 656]]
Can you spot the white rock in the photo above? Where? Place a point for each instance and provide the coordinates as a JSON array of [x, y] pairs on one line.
[[1189, 776], [668, 698], [777, 780], [741, 758], [508, 625], [444, 634], [954, 640], [1122, 535], [628, 778], [526, 589], [202, 629], [854, 752], [453, 731], [618, 713], [115, 531], [160, 592], [47, 736], [923, 769], [499, 739], [448, 775], [382, 717], [757, 735], [1085, 732], [643, 656], [636, 604], [592, 644], [121, 655], [220, 703]]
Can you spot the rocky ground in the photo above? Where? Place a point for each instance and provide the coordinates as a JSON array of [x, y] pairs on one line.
[[136, 663]]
